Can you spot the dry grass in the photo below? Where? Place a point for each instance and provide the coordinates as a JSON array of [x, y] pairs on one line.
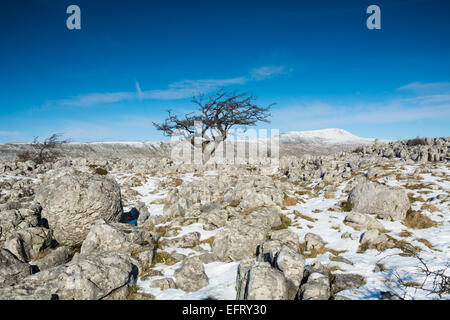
[[247, 211], [331, 269], [306, 192], [301, 216], [412, 284], [285, 222], [346, 206], [413, 198], [148, 272], [405, 234], [427, 243], [329, 195], [407, 248], [209, 241], [315, 252], [133, 294], [161, 230], [159, 201], [288, 201], [416, 186], [232, 204], [417, 220], [164, 258], [429, 207]]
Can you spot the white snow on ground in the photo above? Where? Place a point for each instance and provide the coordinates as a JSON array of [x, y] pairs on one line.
[[329, 225], [222, 278]]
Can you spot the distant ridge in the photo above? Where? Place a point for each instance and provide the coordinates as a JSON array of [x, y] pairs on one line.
[[315, 142]]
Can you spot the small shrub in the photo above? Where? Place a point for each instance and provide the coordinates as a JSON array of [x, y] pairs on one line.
[[358, 150], [101, 171], [347, 206], [417, 220], [49, 150]]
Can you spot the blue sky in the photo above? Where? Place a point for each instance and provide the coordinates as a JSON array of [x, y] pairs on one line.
[[132, 60]]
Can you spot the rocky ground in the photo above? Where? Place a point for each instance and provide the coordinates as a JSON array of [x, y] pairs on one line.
[[353, 225]]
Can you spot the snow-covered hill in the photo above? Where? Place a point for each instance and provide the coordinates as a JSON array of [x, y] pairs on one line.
[[327, 136], [314, 142]]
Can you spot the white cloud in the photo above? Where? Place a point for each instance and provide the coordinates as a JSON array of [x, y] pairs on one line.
[[189, 88], [316, 114], [10, 133], [266, 72], [177, 90], [138, 90], [98, 98], [420, 86]]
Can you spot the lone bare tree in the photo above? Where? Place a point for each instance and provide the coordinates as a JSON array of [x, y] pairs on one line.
[[46, 151], [216, 115]]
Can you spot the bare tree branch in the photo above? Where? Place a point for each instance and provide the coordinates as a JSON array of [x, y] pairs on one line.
[[217, 113], [46, 151]]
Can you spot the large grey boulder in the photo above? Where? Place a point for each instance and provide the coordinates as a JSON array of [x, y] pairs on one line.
[[317, 285], [13, 273], [191, 275], [286, 237], [267, 216], [262, 282], [105, 276], [12, 269], [316, 288], [133, 242], [383, 201], [7, 258], [344, 281], [238, 242], [55, 258], [285, 259], [13, 216], [373, 239], [214, 219], [72, 201], [292, 264], [268, 250], [26, 243], [242, 277]]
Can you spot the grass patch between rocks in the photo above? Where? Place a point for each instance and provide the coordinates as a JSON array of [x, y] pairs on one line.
[[417, 220]]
